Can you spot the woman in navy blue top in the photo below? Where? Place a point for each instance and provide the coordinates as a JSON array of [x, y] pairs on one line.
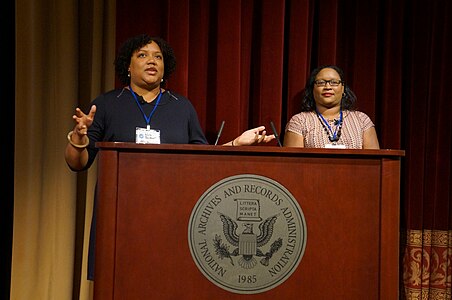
[[142, 111]]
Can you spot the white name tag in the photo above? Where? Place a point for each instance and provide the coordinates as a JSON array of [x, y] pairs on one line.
[[147, 136], [336, 146]]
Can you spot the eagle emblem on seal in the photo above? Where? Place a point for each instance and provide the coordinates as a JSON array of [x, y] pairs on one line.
[[246, 244]]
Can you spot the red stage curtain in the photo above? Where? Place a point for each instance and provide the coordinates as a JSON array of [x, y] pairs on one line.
[[246, 62]]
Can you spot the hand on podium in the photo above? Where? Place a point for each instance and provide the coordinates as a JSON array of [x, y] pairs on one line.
[[252, 136]]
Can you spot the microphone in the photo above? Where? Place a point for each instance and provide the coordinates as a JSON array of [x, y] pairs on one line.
[[219, 132], [275, 133]]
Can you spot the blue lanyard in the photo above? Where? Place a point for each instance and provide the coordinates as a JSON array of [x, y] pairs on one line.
[[148, 119], [325, 122]]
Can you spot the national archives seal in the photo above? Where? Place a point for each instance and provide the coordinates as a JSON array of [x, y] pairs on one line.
[[247, 234]]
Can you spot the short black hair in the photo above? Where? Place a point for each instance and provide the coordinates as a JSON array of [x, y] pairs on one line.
[[308, 103], [122, 61]]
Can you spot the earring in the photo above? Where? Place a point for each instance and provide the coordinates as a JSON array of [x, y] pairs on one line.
[[128, 75], [161, 80]]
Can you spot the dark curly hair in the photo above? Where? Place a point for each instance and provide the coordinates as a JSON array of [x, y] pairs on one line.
[[308, 103], [122, 61]]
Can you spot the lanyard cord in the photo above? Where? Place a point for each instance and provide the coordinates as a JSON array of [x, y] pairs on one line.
[[148, 119], [332, 136]]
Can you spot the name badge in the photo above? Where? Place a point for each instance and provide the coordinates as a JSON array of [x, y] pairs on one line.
[[147, 136], [335, 146]]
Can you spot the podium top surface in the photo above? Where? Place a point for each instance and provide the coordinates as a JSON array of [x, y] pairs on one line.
[[248, 150]]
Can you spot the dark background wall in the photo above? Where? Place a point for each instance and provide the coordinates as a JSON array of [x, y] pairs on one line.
[[7, 27]]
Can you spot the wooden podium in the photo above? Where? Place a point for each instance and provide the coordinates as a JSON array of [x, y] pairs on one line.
[[146, 193]]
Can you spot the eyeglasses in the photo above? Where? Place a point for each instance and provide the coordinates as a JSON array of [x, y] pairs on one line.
[[332, 82]]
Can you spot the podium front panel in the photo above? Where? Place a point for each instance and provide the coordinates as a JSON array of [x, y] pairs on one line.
[[146, 254]]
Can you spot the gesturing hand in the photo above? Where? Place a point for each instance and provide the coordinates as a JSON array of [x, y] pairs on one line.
[[253, 136], [83, 121]]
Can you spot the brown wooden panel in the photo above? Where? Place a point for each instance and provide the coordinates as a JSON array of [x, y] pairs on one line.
[[390, 194], [339, 192], [106, 224]]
